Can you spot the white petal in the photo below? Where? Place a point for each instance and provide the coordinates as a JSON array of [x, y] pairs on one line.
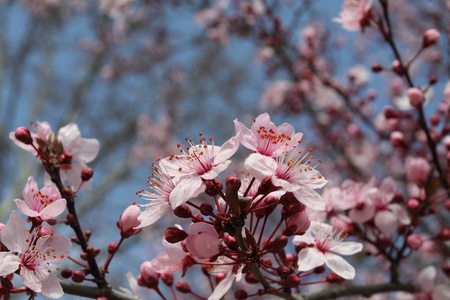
[[15, 235], [186, 189], [153, 212], [347, 248], [227, 150], [385, 221], [223, 287], [340, 266], [310, 198], [426, 278], [9, 263], [88, 150], [260, 166], [309, 258]]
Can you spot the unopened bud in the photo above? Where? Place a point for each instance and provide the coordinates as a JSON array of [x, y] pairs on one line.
[[213, 187], [233, 184], [240, 295], [397, 139], [251, 278], [128, 221], [78, 276], [280, 242], [183, 287], [376, 68], [219, 277], [283, 271], [319, 269], [174, 235], [206, 207], [416, 97], [414, 241], [182, 211], [167, 278], [334, 278], [444, 234], [112, 247], [66, 273], [433, 79], [430, 37], [413, 205], [397, 67], [23, 135], [292, 281], [87, 173]]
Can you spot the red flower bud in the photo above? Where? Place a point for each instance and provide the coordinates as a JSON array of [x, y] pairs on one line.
[[430, 37], [87, 173], [23, 135], [416, 97], [183, 287], [174, 235]]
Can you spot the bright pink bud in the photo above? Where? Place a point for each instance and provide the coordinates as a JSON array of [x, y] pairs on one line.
[[397, 67], [174, 235], [413, 205], [128, 221], [416, 97], [148, 277], [430, 37], [219, 277], [87, 173], [23, 135], [397, 139], [203, 240], [414, 241]]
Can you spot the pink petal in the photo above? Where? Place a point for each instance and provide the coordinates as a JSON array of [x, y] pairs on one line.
[[174, 251], [310, 198], [186, 189], [53, 210], [15, 234], [70, 137], [340, 266], [9, 263], [23, 207], [426, 278], [57, 245], [153, 212], [347, 248], [30, 279], [441, 292], [88, 150], [364, 214], [163, 264], [246, 136], [309, 258], [51, 192], [386, 221], [50, 285], [31, 188], [223, 287], [400, 212], [260, 166], [227, 150]]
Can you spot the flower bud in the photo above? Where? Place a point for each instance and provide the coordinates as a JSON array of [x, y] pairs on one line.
[[430, 37], [292, 281], [240, 295], [297, 224], [319, 269], [280, 242], [174, 235], [167, 278], [334, 278], [148, 277], [87, 173], [183, 211], [251, 278], [128, 221], [376, 68], [283, 271], [397, 139], [233, 184], [413, 205], [444, 234], [23, 135], [219, 277], [213, 187], [112, 247], [206, 207], [414, 241], [183, 287], [66, 273], [416, 97], [397, 67], [78, 276]]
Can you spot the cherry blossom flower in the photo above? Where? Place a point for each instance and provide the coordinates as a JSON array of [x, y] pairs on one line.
[[42, 129], [267, 139], [291, 174], [171, 260], [203, 240], [201, 162], [45, 204], [388, 214], [162, 186], [324, 241], [353, 13], [36, 252], [128, 221]]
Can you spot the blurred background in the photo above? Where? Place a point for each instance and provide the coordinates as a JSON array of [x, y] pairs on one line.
[[141, 75]]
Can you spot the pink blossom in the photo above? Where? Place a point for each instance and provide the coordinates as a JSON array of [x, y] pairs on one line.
[[417, 169], [201, 162], [42, 129], [36, 252], [324, 241], [292, 174], [203, 240], [267, 139], [45, 204], [162, 186], [388, 214], [148, 276], [128, 221], [352, 13], [171, 260]]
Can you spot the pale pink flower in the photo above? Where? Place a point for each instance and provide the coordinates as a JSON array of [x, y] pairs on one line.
[[161, 187], [78, 152], [171, 260], [201, 162], [265, 138], [292, 174], [388, 214], [352, 13], [203, 240], [35, 254], [324, 241], [45, 204], [41, 130], [429, 290], [148, 277]]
